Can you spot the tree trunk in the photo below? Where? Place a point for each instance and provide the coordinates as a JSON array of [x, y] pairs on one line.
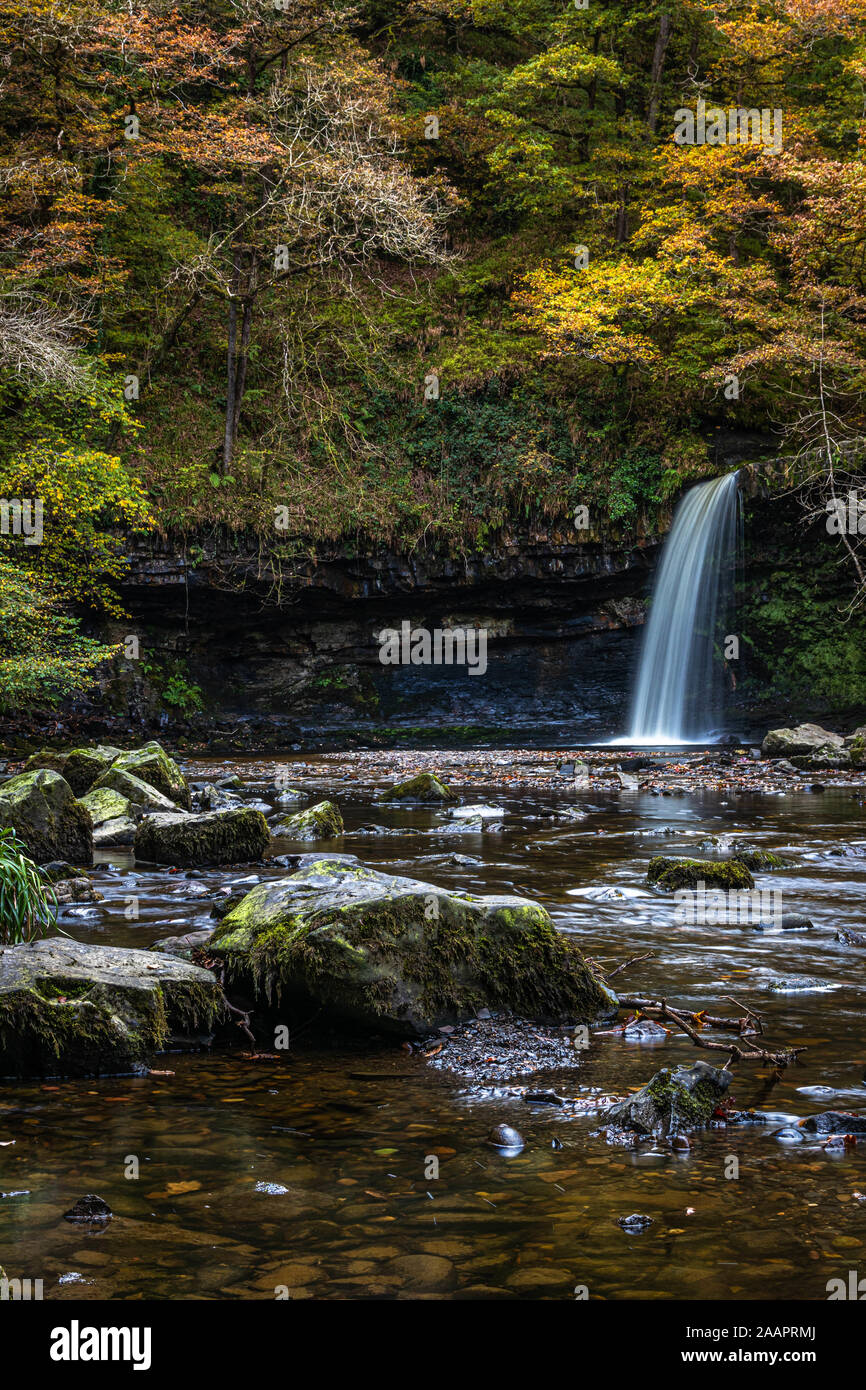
[[662, 41], [241, 369], [231, 367]]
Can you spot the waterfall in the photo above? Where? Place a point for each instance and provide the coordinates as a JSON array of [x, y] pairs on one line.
[[677, 697]]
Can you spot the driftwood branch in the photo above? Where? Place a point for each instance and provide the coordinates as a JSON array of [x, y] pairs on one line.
[[690, 1023]]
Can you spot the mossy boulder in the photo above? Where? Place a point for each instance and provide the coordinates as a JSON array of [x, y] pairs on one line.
[[426, 787], [153, 765], [79, 766], [369, 952], [112, 816], [760, 860], [672, 1102], [50, 759], [671, 874], [41, 808], [320, 822], [103, 804], [234, 836], [135, 790], [804, 740], [84, 765], [857, 748], [70, 1009]]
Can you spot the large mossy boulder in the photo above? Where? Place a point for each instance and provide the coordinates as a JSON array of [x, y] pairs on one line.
[[152, 764], [80, 766], [369, 952], [671, 874], [84, 765], [426, 787], [235, 836], [70, 1009], [672, 1102], [805, 740], [50, 759], [41, 808], [135, 790], [320, 822]]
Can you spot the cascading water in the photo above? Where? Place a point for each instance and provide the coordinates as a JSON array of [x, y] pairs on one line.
[[677, 695]]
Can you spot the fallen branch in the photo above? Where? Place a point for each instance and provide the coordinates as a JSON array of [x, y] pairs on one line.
[[685, 1020], [651, 1006]]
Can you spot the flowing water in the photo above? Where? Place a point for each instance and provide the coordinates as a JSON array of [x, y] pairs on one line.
[[677, 694], [312, 1173]]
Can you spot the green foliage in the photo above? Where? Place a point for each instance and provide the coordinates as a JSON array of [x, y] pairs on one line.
[[169, 679], [27, 901], [43, 655]]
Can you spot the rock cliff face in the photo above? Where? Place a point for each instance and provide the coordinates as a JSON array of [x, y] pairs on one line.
[[285, 657]]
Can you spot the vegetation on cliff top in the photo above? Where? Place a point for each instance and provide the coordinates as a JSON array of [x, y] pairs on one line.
[[322, 266]]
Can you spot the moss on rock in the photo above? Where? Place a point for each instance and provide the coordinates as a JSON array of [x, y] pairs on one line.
[[234, 836], [41, 808], [671, 874], [70, 1009], [427, 786], [104, 804], [672, 1101], [134, 789], [372, 951], [152, 764], [79, 766], [320, 822], [760, 860]]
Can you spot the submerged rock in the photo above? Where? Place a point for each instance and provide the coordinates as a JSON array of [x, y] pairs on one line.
[[850, 938], [638, 1221], [41, 808], [835, 1122], [672, 874], [673, 1101], [371, 951], [504, 1137], [89, 1208], [320, 822], [214, 837], [425, 787], [70, 1009], [786, 921], [760, 860]]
